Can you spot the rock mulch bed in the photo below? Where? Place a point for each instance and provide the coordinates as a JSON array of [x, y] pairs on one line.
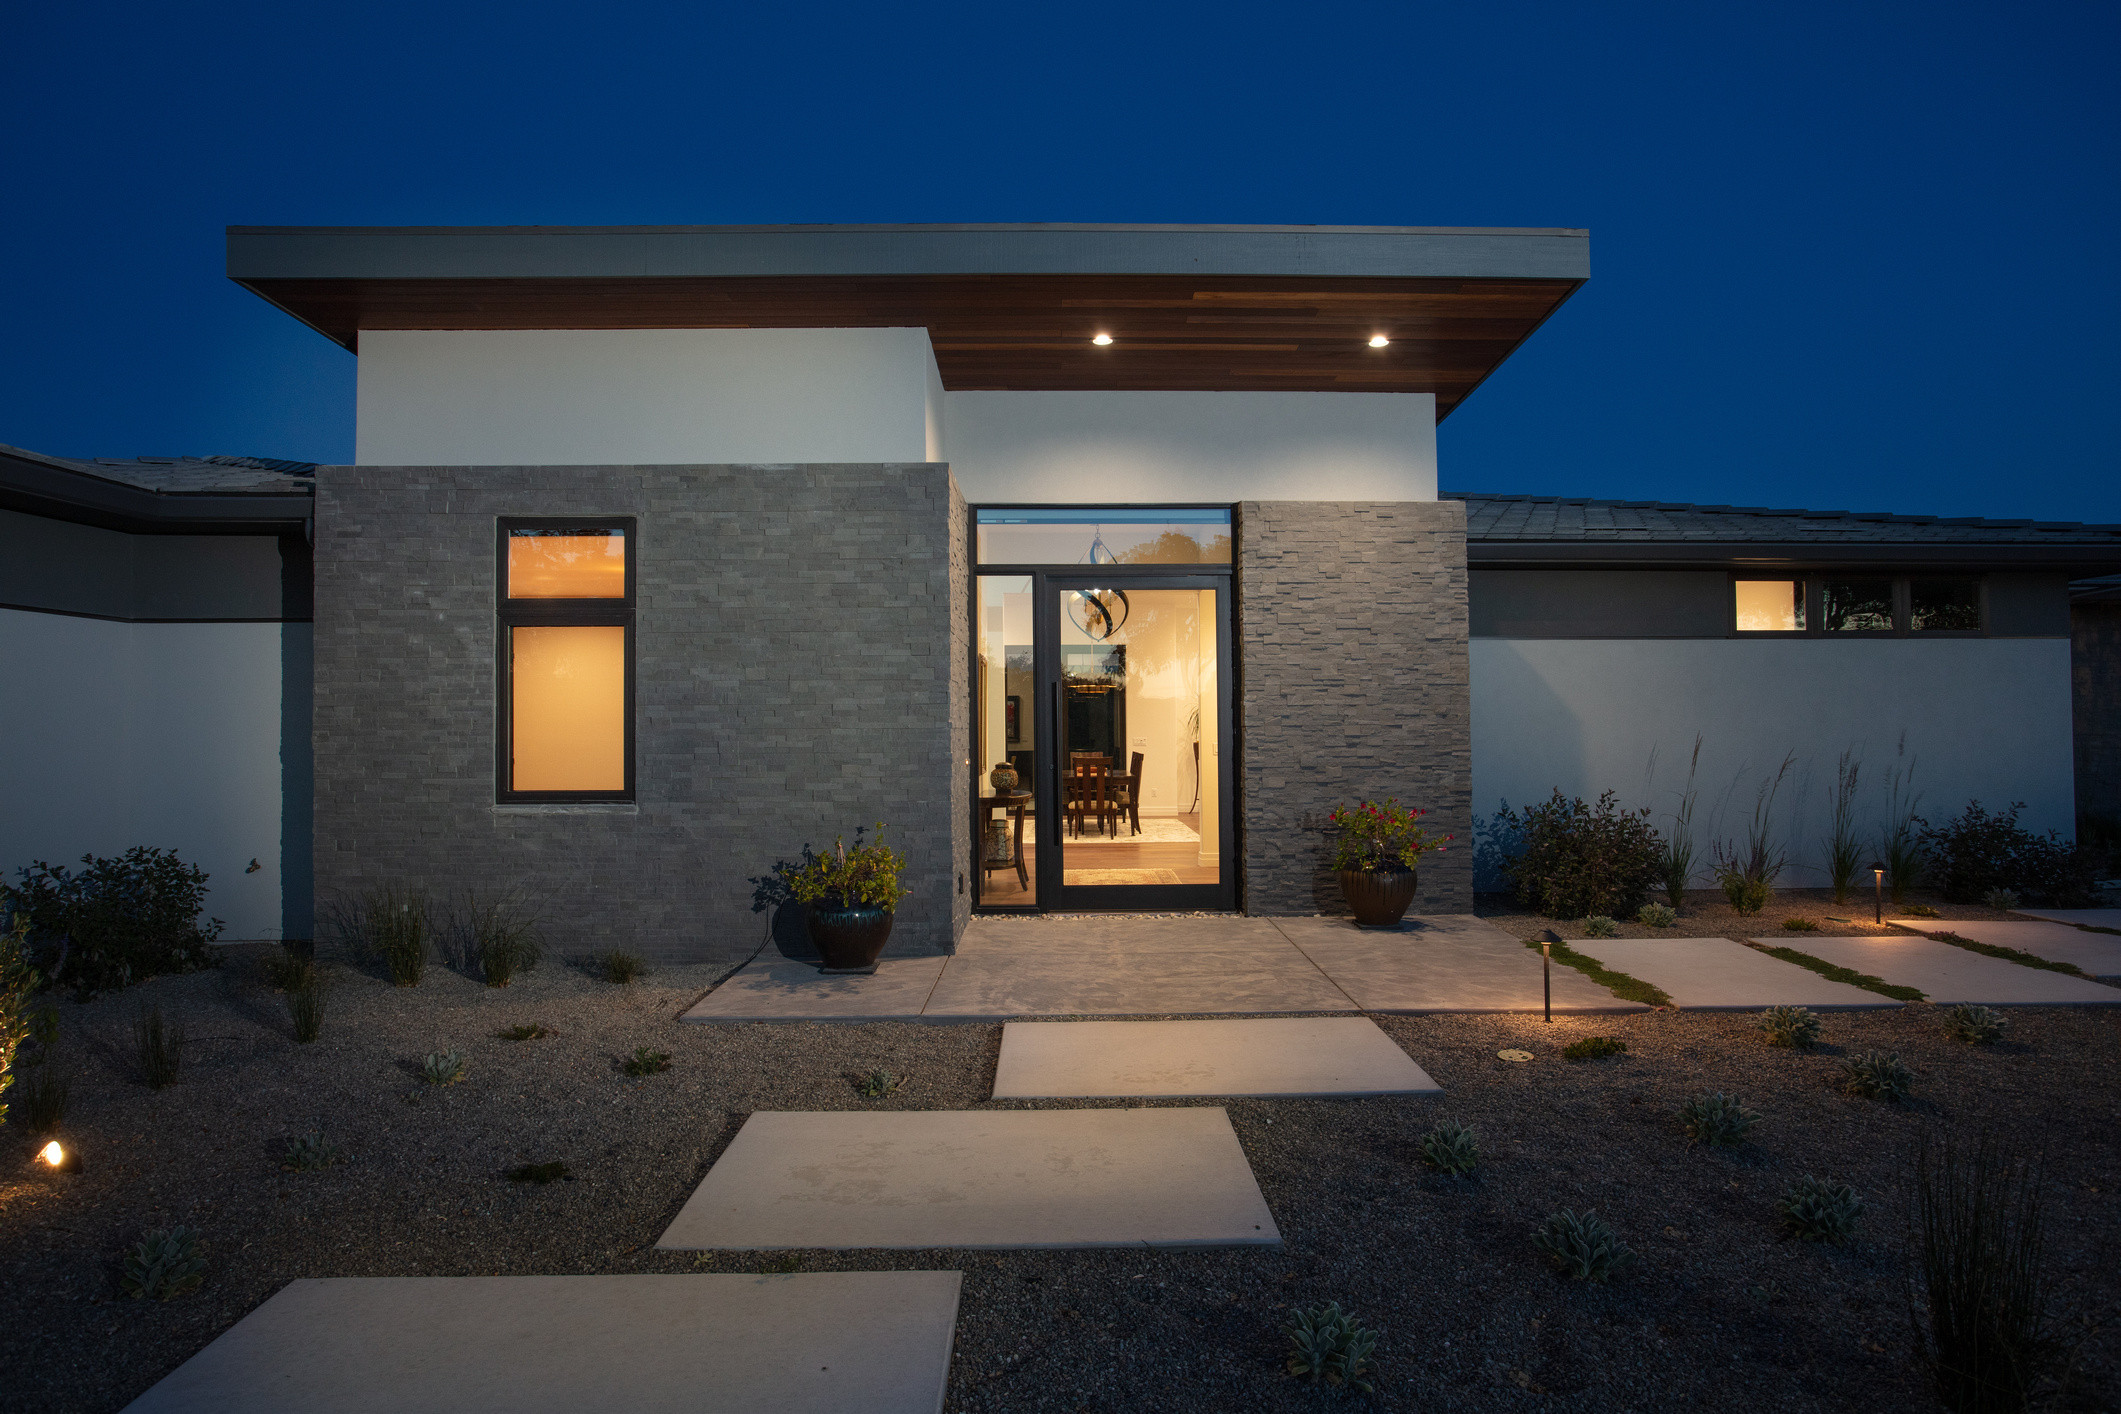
[[1721, 1313]]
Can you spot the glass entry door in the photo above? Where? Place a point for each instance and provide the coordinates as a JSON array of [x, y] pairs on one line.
[[1134, 800]]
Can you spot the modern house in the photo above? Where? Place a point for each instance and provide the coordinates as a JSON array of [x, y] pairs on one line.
[[667, 551]]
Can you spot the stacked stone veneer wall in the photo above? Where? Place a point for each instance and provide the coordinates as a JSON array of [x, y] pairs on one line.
[[800, 670], [2095, 682], [1353, 684]]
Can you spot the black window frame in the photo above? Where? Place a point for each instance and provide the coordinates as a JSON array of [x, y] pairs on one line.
[[1815, 604], [511, 614]]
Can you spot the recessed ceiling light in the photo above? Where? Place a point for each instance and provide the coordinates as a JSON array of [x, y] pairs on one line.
[[1101, 340], [1378, 341]]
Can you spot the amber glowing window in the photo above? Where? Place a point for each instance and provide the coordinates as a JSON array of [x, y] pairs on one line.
[[565, 640], [1770, 605]]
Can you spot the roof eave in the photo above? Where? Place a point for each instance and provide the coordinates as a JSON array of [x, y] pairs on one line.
[[2077, 560], [57, 491]]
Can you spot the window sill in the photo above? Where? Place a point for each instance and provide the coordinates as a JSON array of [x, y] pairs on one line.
[[568, 807]]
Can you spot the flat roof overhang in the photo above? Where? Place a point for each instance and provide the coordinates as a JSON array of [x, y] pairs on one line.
[[2077, 560], [1222, 308], [44, 487]]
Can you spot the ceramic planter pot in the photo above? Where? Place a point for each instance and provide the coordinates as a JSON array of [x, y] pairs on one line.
[[848, 939], [1380, 897]]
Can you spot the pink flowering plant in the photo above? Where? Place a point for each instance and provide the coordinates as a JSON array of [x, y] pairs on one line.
[[1376, 836]]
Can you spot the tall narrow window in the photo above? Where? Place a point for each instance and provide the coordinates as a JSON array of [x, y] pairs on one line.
[[565, 639]]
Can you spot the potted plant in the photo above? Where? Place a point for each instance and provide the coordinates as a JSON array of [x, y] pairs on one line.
[[1375, 856], [849, 897]]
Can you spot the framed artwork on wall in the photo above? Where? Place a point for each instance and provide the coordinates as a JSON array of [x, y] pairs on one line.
[[1012, 714]]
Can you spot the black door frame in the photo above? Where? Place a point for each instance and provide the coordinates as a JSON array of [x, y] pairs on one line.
[[1047, 586]]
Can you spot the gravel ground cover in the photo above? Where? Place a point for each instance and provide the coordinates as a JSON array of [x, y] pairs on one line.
[[1720, 1313]]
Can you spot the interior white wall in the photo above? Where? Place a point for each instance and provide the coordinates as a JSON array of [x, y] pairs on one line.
[[147, 734], [1090, 448], [604, 397], [1985, 719]]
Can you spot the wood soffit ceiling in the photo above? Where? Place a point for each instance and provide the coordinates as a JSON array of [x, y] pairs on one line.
[[1170, 332]]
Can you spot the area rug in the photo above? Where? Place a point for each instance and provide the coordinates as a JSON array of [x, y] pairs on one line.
[[1156, 829], [1094, 877]]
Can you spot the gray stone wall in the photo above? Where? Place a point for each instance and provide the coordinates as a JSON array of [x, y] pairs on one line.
[[799, 671], [1354, 684], [2095, 683]]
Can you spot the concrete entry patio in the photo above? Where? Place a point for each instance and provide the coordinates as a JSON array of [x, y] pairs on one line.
[[1126, 965]]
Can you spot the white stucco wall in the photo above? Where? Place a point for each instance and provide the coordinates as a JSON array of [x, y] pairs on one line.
[[604, 397], [148, 734], [1087, 448], [1985, 719]]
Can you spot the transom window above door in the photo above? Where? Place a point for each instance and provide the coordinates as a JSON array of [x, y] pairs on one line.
[[1103, 535]]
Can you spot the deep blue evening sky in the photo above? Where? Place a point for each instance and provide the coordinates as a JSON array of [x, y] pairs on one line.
[[1843, 255]]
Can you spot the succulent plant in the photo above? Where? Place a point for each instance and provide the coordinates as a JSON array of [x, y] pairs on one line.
[[1793, 1026], [1820, 1210], [2003, 899], [1716, 1119], [1799, 925], [1877, 1075], [163, 1265], [1599, 926], [1656, 915], [1975, 1025], [877, 1084], [1326, 1343], [442, 1067], [1583, 1247], [647, 1062], [1920, 910], [1594, 1048], [310, 1151], [1451, 1147]]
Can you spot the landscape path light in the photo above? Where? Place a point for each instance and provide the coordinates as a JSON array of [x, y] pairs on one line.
[[1547, 938], [1878, 877], [58, 1157]]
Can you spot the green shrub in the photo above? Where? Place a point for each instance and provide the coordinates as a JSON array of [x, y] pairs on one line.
[[158, 1046], [1600, 926], [492, 938], [1819, 1210], [18, 984], [287, 965], [1594, 1048], [1746, 872], [1980, 1248], [865, 876], [1584, 1247], [1326, 1343], [305, 1005], [1921, 910], [310, 1151], [877, 1084], [1747, 895], [1975, 853], [1716, 1119], [1793, 1026], [539, 1173], [1656, 915], [647, 1062], [117, 921], [164, 1265], [621, 967], [2002, 900], [389, 925], [1799, 925], [1877, 1075], [1975, 1025], [1577, 860], [1451, 1147], [443, 1067]]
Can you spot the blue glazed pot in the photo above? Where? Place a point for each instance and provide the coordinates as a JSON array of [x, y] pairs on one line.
[[848, 939]]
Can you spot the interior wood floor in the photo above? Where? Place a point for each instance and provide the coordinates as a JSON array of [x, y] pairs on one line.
[[1001, 887]]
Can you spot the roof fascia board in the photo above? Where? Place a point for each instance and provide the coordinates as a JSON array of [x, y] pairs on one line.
[[60, 493], [2078, 559], [696, 252]]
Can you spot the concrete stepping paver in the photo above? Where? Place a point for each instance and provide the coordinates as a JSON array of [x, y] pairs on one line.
[[2095, 954], [1160, 1059], [1946, 974], [1452, 962], [814, 1343], [1711, 974], [772, 988], [1163, 1177], [2089, 917]]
